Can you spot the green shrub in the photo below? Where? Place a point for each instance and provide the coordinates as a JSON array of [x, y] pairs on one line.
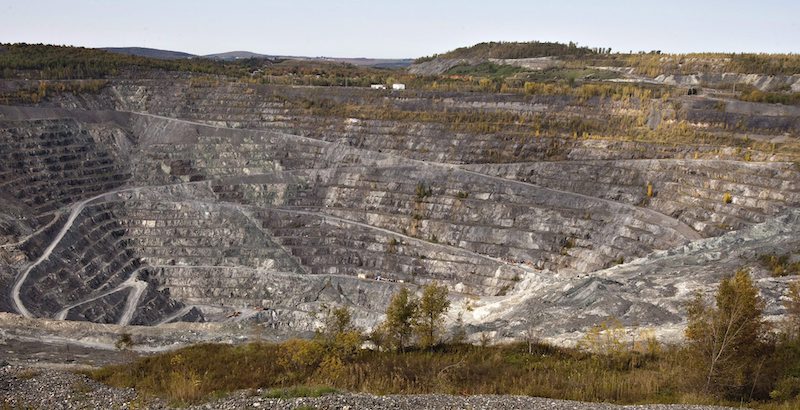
[[423, 191]]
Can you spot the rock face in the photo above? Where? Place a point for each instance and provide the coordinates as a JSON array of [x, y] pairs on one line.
[[759, 81], [441, 65], [689, 190], [168, 202]]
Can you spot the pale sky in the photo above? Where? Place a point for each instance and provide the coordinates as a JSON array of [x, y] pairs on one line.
[[409, 28]]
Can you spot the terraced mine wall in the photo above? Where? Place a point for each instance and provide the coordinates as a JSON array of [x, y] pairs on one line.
[[693, 191], [759, 81], [183, 203], [550, 132], [695, 198]]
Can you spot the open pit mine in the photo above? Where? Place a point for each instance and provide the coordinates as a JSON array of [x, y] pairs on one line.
[[185, 210]]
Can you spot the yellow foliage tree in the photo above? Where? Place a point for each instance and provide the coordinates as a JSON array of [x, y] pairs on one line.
[[726, 338], [432, 306]]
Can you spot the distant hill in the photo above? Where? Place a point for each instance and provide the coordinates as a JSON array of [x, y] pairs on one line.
[[149, 52], [373, 62], [241, 54], [513, 50], [236, 55], [364, 62], [530, 55]]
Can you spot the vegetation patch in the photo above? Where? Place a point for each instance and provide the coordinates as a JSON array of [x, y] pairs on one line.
[[771, 97], [780, 265], [570, 75], [62, 62], [485, 69]]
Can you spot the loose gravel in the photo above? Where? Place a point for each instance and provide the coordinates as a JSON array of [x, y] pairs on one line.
[[425, 402], [42, 388]]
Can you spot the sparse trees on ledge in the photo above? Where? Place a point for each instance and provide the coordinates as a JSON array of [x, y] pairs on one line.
[[406, 315]]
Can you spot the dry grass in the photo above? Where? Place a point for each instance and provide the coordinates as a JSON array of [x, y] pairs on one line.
[[663, 375], [28, 374], [199, 371]]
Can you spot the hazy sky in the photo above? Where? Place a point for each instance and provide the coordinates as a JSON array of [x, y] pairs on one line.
[[409, 28]]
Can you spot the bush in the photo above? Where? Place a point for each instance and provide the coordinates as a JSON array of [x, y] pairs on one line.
[[780, 265], [786, 389], [727, 198], [124, 342], [771, 98], [423, 191]]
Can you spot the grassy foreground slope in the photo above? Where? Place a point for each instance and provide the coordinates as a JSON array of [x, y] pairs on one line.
[[729, 356], [629, 376]]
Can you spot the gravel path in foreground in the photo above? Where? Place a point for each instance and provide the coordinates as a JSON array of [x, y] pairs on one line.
[[41, 388], [427, 402]]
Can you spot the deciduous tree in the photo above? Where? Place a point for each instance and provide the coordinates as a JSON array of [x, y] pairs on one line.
[[400, 315], [726, 338], [432, 306], [792, 306]]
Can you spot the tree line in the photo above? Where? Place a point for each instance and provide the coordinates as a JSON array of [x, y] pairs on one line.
[[410, 321], [39, 61]]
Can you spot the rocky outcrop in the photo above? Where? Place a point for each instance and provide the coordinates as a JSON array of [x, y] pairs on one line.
[[439, 66]]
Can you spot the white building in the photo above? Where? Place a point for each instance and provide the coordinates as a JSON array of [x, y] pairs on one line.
[[398, 86]]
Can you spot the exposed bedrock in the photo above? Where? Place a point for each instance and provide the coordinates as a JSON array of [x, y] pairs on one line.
[[91, 272], [692, 191], [649, 292], [760, 81], [283, 108], [49, 164], [437, 203], [246, 209]]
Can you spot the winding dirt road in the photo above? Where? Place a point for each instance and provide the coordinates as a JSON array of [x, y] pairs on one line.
[[77, 208], [137, 288]]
